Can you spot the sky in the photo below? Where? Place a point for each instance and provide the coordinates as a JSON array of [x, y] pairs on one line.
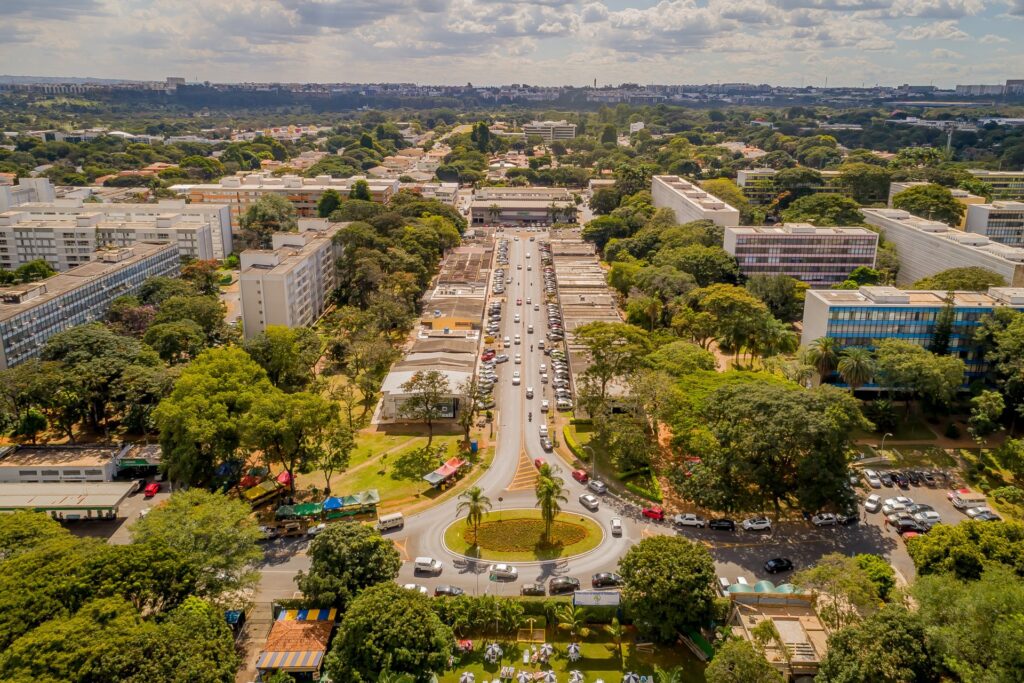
[[540, 42]]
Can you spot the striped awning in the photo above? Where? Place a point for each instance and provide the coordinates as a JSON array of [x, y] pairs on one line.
[[308, 660], [326, 614]]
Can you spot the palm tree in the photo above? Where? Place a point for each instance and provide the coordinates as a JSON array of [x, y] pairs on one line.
[[550, 492], [494, 212], [554, 211], [856, 366], [574, 620], [673, 675], [475, 504], [617, 632], [823, 354], [773, 338]]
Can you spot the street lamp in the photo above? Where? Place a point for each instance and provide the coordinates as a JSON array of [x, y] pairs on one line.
[[500, 499], [883, 439]]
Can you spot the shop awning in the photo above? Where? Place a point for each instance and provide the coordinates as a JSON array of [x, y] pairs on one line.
[[444, 472], [284, 478], [307, 660], [285, 511], [333, 503], [308, 509]]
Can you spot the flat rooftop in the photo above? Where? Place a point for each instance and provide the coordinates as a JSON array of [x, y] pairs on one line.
[[64, 496], [891, 296], [57, 456], [800, 229]]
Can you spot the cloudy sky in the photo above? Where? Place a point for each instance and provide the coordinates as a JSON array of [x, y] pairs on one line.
[[543, 42]]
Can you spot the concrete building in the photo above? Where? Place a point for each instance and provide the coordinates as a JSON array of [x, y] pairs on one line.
[[442, 192], [690, 203], [550, 130], [818, 256], [802, 635], [291, 283], [758, 184], [455, 358], [49, 464], [962, 196], [239, 192], [522, 206], [861, 317], [27, 190], [32, 313], [928, 247], [1005, 184], [67, 501], [1001, 221]]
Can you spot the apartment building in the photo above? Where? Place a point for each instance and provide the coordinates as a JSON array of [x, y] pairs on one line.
[[962, 196], [690, 202], [861, 317], [821, 257], [446, 193], [239, 192], [550, 130], [27, 190], [32, 313], [291, 283], [758, 184], [522, 206], [1005, 184], [928, 247], [1001, 221]]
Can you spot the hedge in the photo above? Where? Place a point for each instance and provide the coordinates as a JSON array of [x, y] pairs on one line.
[[649, 488], [570, 441]]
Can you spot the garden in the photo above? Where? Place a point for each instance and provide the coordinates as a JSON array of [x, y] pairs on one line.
[[518, 536]]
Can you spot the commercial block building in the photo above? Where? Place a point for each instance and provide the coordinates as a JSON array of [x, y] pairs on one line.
[[1005, 184], [758, 184], [50, 464], [864, 316], [522, 206], [690, 203], [928, 247], [551, 130], [818, 256], [1001, 221], [962, 196], [32, 313], [291, 283]]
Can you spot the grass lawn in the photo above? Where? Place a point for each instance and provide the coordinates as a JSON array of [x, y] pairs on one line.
[[378, 475], [926, 456], [914, 428], [600, 661], [515, 536], [369, 444], [985, 473]]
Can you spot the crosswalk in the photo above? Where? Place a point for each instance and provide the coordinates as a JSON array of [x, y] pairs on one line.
[[525, 477]]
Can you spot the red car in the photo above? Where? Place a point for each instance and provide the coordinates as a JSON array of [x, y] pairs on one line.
[[538, 462], [581, 476], [487, 355], [519, 302], [152, 488], [654, 512]]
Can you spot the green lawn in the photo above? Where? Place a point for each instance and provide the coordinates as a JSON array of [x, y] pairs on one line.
[[914, 428], [369, 444], [515, 535], [600, 661], [928, 456]]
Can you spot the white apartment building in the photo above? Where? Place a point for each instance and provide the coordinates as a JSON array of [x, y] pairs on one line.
[[32, 313], [818, 256], [291, 283], [690, 202], [442, 192], [239, 192], [1000, 221], [550, 130], [27, 190], [1005, 184], [928, 247]]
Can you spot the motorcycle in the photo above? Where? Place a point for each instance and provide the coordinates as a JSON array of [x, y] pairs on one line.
[[529, 417]]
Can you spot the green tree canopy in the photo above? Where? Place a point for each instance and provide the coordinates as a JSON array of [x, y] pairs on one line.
[[969, 548], [288, 354], [736, 661], [888, 647], [824, 210], [931, 201], [345, 559], [269, 214], [969, 279]]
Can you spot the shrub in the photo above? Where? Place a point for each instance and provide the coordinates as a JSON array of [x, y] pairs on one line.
[[952, 431], [1009, 494], [570, 441]]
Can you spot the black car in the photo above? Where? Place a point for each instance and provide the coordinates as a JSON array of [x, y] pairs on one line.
[[848, 518], [988, 517], [930, 480], [778, 564], [445, 589], [886, 478], [605, 580], [901, 480], [905, 525], [722, 525], [533, 589], [563, 584], [916, 478]]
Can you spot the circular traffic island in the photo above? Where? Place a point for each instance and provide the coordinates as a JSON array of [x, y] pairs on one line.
[[518, 536]]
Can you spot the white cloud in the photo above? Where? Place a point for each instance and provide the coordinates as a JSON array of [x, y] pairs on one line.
[[943, 30], [943, 53]]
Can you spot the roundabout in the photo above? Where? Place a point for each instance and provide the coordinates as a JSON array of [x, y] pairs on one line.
[[518, 536]]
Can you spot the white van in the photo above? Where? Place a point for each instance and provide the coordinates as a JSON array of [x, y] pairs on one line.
[[964, 501], [428, 565], [393, 521]]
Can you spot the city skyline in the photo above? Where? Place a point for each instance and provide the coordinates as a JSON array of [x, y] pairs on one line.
[[541, 42]]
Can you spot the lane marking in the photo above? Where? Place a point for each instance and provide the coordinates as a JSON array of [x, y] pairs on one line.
[[400, 546]]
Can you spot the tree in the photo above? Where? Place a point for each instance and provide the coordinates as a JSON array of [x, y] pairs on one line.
[[475, 504], [609, 136], [156, 290], [288, 354], [698, 326], [604, 201], [667, 584], [889, 647], [389, 628], [615, 350], [879, 572], [967, 549], [969, 279], [176, 342], [269, 214], [986, 409], [794, 183], [329, 202], [682, 358], [331, 449], [824, 210], [604, 228], [550, 491], [574, 620], [783, 295], [738, 315], [633, 178], [856, 366], [617, 632], [33, 271], [426, 401], [216, 533], [844, 593], [931, 201], [736, 661], [823, 354], [206, 311], [708, 265], [866, 183], [360, 190], [468, 406], [904, 367], [203, 276], [31, 423], [344, 560], [730, 193], [24, 530]]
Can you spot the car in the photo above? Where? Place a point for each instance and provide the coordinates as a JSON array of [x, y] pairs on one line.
[[546, 444], [581, 476], [988, 517], [427, 565], [723, 586], [778, 564], [518, 360], [722, 525], [516, 380], [536, 307], [501, 358], [655, 512], [519, 339], [757, 524], [502, 571], [563, 404], [897, 504], [269, 533], [529, 301], [316, 529], [487, 355], [873, 503], [590, 502], [848, 518], [415, 587], [529, 392], [545, 405], [535, 589], [539, 462], [974, 512], [597, 486], [543, 429], [824, 519], [901, 480], [519, 266], [906, 525], [605, 580], [916, 477], [563, 584], [872, 479], [928, 517], [519, 302], [616, 526], [688, 519], [886, 478], [918, 507], [448, 590], [152, 488]]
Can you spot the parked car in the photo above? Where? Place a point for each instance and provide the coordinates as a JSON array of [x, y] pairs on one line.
[[757, 524], [447, 590], [872, 479], [980, 510], [689, 519], [988, 517], [616, 526], [152, 488], [722, 525], [581, 476], [535, 589], [597, 486], [563, 584], [502, 571], [590, 502], [316, 529], [928, 517], [897, 504], [824, 519], [415, 587], [778, 564], [886, 478], [655, 512], [873, 503], [605, 580]]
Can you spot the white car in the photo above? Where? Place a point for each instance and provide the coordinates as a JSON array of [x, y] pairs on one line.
[[516, 378], [597, 486], [980, 510], [529, 392], [590, 502], [543, 429], [545, 406], [897, 504], [824, 519], [872, 478], [314, 530], [689, 519], [502, 571], [516, 318], [422, 590], [616, 526], [519, 339], [928, 517], [519, 359], [873, 503], [536, 307], [529, 301], [757, 524]]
